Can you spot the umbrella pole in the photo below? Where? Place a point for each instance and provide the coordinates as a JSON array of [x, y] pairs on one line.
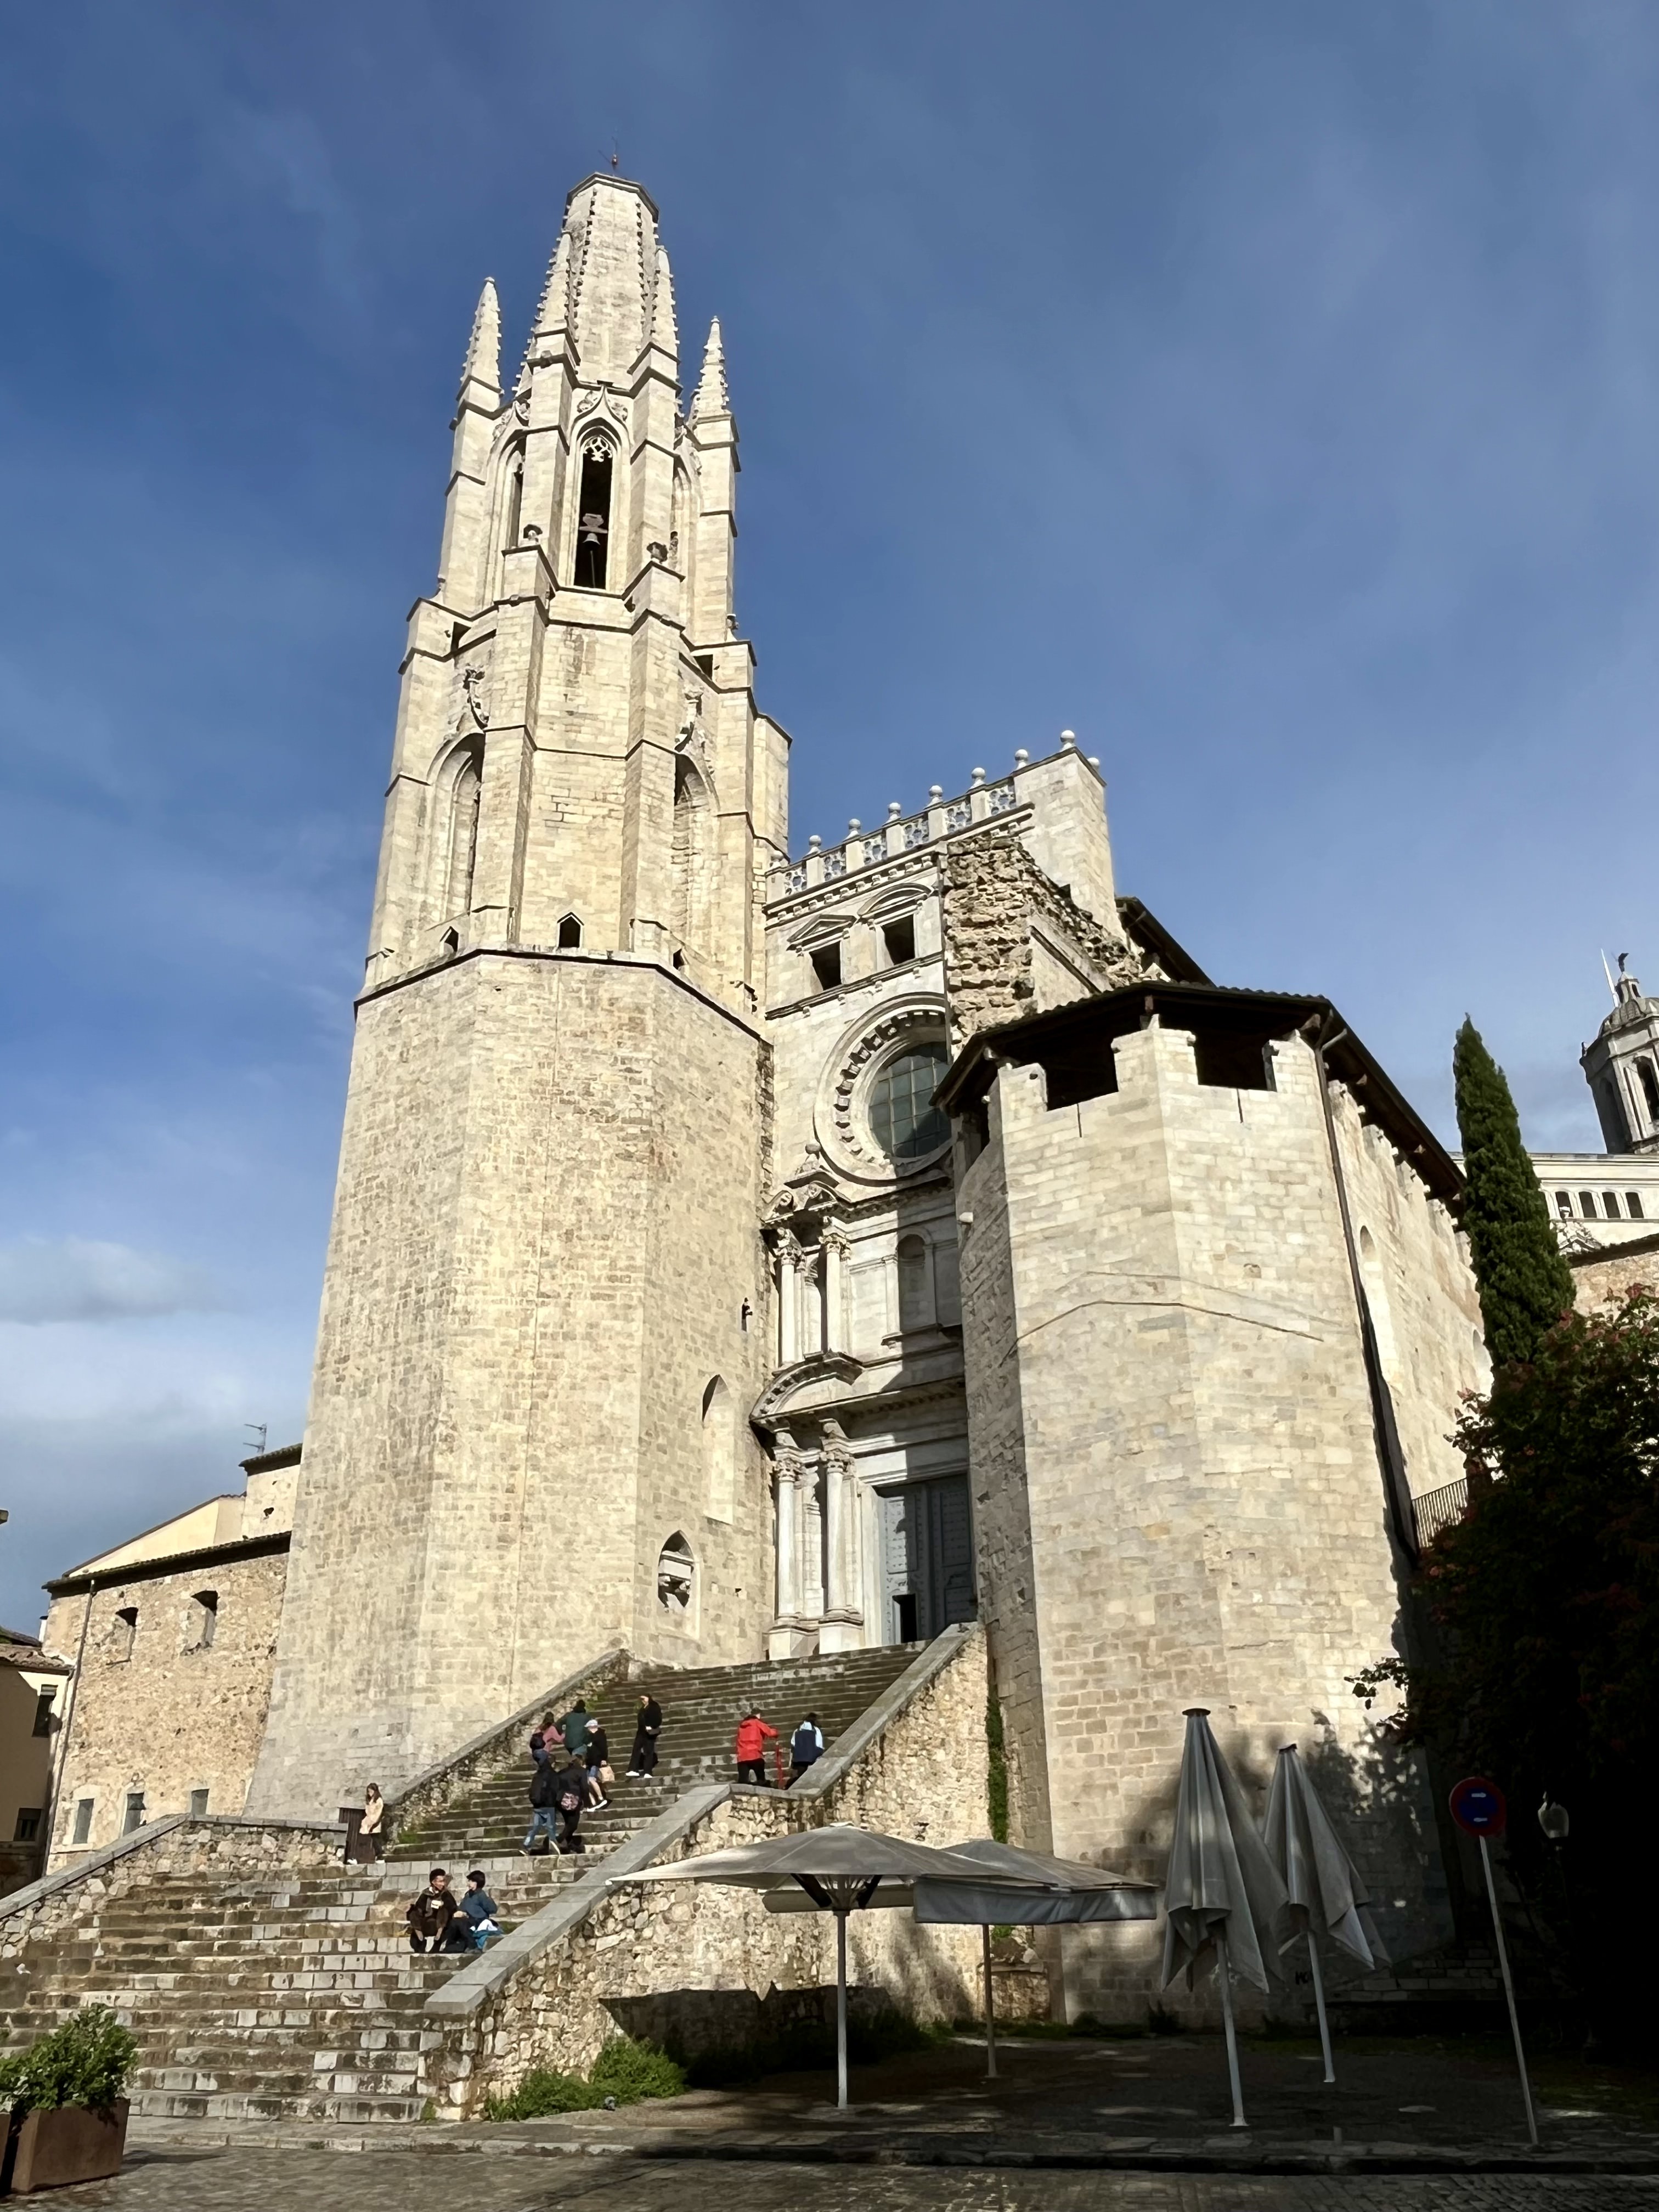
[[1239, 2120], [990, 2010], [1319, 2001], [1509, 1991], [840, 2009]]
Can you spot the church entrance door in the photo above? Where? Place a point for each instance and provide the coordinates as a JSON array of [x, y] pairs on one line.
[[926, 1558]]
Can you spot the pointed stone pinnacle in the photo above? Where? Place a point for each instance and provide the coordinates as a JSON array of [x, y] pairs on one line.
[[712, 397], [664, 331], [482, 364]]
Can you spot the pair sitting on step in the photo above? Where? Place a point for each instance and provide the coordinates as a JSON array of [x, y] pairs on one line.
[[440, 1921]]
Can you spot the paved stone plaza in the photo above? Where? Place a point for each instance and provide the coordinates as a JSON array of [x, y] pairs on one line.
[[1138, 2125], [411, 2181]]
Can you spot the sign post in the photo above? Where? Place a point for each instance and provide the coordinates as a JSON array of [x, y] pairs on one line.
[[1479, 1809]]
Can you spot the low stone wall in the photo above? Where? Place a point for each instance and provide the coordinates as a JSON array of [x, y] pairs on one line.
[[699, 1962], [224, 1846]]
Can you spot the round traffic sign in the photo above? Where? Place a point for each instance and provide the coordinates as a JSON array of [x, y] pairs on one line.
[[1478, 1807]]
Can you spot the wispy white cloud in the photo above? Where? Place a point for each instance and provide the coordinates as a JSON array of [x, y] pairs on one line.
[[81, 1280]]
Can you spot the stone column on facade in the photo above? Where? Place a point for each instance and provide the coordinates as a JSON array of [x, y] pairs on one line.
[[788, 1311], [810, 1275], [843, 1627], [836, 1247], [783, 1637]]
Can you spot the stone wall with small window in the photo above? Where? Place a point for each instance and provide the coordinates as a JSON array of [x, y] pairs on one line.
[[169, 1702]]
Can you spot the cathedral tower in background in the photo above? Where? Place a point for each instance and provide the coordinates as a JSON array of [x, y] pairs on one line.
[[544, 1296]]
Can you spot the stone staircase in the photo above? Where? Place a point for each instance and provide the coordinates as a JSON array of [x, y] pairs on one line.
[[701, 1709], [286, 1995]]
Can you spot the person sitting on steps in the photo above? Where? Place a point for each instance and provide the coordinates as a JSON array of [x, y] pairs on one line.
[[430, 1914], [480, 1912]]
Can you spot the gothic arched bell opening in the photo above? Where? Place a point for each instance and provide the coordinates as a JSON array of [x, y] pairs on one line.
[[593, 517]]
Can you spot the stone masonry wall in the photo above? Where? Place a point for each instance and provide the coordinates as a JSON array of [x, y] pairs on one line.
[[685, 1961], [1606, 1278], [998, 907], [1206, 1507], [545, 1232], [163, 1716]]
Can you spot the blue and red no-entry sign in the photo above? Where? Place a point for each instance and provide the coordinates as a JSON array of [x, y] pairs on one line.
[[1478, 1807]]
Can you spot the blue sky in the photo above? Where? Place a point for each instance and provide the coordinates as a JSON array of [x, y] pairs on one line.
[[1270, 394]]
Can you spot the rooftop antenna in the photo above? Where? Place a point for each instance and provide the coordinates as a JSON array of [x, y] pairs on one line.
[[615, 158], [261, 1430]]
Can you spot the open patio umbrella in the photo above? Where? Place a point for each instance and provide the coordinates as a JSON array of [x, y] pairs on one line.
[[1326, 1888], [1078, 1893], [839, 1868], [1222, 1887]]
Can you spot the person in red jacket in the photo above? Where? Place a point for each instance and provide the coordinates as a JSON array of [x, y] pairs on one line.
[[752, 1733]]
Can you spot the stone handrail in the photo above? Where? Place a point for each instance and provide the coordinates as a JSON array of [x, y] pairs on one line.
[[96, 1864], [485, 1977], [454, 1774], [851, 1746]]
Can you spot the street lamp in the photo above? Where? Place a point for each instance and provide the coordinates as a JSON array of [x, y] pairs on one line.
[[1553, 1820]]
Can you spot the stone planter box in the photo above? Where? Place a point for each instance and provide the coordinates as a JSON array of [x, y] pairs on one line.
[[49, 2149]]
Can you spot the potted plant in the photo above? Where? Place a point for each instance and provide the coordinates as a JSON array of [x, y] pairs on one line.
[[68, 2115]]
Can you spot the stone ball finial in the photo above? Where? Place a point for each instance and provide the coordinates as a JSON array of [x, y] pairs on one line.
[[894, 810], [814, 843], [979, 777], [853, 826], [1068, 741], [935, 792], [1093, 759], [1021, 758]]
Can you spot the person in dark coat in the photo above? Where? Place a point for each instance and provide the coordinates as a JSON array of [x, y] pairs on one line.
[[598, 1766], [430, 1914], [544, 1802], [647, 1727], [570, 1796]]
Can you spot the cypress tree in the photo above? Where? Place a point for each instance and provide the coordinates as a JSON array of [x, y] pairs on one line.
[[1525, 1285]]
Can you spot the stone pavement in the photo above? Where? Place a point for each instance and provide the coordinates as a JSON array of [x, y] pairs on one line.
[[160, 2179], [1153, 2106]]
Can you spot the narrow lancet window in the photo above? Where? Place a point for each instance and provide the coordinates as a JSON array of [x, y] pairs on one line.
[[593, 516]]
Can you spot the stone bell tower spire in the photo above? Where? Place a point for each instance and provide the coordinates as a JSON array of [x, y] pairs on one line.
[[1621, 1066], [542, 1256]]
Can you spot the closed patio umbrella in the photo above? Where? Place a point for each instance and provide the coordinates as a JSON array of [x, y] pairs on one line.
[[1326, 1888], [838, 1868], [1222, 1887], [1078, 1893]]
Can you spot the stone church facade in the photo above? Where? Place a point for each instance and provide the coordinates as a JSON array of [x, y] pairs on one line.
[[742, 1252]]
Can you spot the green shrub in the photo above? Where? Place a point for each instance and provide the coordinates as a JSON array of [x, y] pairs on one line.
[[630, 2071], [543, 2093], [87, 2061], [624, 2071], [1160, 2020], [996, 1781]]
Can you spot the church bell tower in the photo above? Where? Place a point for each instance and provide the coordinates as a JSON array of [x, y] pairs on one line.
[[542, 1301]]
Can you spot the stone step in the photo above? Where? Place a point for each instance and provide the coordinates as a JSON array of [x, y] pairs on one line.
[[297, 1996]]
